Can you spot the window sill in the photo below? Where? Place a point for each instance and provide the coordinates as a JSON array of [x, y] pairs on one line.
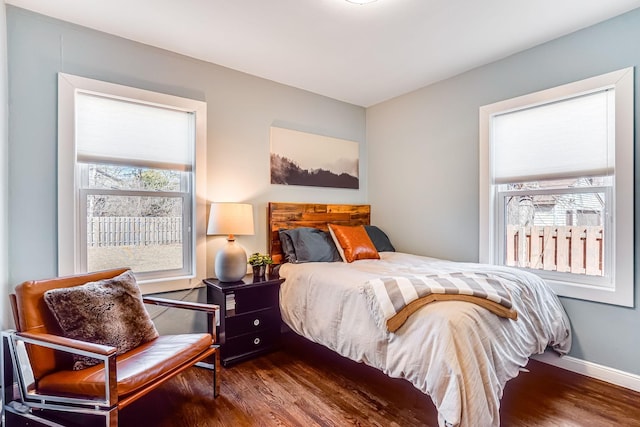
[[168, 284], [615, 295]]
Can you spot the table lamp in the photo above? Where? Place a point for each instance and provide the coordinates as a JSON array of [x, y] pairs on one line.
[[230, 219]]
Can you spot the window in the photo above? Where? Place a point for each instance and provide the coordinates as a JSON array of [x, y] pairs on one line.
[[556, 186], [128, 182]]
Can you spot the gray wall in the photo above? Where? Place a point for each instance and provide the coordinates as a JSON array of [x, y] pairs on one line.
[[241, 108], [4, 176], [423, 155]]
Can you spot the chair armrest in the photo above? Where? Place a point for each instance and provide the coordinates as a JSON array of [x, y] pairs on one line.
[[211, 310], [197, 306], [105, 353], [66, 344]]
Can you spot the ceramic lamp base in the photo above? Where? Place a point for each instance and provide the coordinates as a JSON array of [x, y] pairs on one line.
[[231, 262]]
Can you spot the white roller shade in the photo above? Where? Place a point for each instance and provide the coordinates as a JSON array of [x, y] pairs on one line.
[[565, 139], [110, 130]]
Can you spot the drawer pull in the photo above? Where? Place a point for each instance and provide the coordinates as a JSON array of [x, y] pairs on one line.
[[256, 322], [256, 341]]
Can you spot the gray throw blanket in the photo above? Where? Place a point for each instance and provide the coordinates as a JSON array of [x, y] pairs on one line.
[[393, 299]]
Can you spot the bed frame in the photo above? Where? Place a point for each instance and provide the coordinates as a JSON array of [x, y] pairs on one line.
[[293, 215]]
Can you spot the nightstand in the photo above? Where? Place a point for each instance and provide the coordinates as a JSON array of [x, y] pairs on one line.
[[249, 317]]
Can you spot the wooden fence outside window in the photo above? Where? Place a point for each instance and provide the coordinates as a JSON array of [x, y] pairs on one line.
[[133, 231], [570, 249]]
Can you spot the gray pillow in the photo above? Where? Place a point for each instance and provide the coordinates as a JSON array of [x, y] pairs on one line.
[[312, 245], [108, 312], [288, 250], [379, 239]]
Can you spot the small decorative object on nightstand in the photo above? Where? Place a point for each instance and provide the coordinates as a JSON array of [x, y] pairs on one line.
[[249, 316], [259, 262]]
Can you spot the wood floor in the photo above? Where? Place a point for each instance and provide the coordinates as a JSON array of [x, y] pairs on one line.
[[306, 385]]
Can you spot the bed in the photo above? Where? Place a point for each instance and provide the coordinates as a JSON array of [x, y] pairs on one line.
[[458, 352]]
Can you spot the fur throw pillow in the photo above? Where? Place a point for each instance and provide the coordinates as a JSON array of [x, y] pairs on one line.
[[108, 312]]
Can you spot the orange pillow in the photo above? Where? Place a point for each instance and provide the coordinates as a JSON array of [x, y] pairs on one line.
[[353, 242]]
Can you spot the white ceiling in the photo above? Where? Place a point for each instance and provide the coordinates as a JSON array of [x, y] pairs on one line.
[[362, 54]]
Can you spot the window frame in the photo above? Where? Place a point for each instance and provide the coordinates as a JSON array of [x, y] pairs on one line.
[[620, 223], [70, 224]]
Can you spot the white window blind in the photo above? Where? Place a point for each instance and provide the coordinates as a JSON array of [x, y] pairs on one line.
[[570, 138], [111, 130]]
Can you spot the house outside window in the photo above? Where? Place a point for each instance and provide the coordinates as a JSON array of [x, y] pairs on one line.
[[129, 180], [556, 186]]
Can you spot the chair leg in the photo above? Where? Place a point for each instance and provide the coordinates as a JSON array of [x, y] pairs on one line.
[[216, 374], [6, 381], [212, 363], [111, 418]]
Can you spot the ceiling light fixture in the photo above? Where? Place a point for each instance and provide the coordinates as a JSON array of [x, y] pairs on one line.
[[361, 1]]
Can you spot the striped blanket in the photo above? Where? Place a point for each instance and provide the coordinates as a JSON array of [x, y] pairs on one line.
[[393, 299]]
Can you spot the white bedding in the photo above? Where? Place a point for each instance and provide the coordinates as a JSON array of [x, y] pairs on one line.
[[459, 353]]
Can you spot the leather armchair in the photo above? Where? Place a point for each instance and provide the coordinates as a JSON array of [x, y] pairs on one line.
[[40, 357]]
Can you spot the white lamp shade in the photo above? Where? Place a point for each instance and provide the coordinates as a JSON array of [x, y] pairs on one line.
[[230, 219]]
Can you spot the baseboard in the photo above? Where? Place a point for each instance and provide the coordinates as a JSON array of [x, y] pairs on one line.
[[590, 369]]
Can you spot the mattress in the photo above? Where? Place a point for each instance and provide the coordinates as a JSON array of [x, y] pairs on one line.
[[458, 353]]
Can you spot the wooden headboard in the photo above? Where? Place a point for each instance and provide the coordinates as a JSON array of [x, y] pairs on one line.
[[293, 215]]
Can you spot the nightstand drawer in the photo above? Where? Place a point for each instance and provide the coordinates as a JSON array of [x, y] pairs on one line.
[[252, 322], [249, 343], [256, 298]]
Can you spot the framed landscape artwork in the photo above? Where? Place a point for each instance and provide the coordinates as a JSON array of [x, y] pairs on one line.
[[300, 158]]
